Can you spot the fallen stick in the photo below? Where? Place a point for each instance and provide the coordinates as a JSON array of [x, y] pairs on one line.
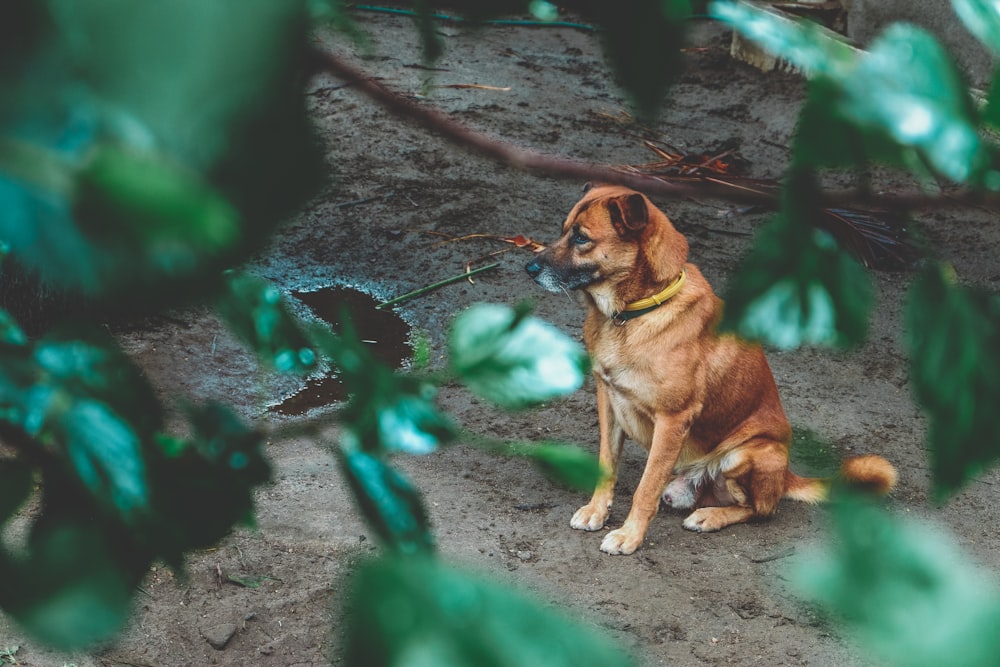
[[434, 286]]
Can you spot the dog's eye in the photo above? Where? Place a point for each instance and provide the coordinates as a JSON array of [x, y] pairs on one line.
[[579, 238]]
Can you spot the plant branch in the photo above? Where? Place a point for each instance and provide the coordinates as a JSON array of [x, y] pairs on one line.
[[564, 168], [509, 154]]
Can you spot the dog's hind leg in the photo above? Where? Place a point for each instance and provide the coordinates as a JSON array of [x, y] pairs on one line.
[[754, 483]]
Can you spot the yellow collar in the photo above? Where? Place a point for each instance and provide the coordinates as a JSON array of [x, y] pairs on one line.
[[659, 298]]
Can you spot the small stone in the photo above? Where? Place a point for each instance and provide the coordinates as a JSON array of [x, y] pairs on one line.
[[525, 555], [219, 635]]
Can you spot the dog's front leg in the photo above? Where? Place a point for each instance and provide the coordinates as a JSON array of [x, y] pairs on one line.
[[669, 432], [594, 514]]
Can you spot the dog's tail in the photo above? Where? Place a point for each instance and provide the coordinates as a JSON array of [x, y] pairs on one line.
[[869, 473]]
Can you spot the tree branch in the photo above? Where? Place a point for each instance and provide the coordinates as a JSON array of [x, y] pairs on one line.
[[580, 171]]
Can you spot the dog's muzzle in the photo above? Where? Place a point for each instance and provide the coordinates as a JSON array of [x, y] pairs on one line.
[[543, 275], [554, 279]]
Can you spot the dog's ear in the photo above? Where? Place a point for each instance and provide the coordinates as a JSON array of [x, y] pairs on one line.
[[629, 214]]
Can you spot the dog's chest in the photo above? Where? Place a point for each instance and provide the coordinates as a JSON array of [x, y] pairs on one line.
[[637, 379]]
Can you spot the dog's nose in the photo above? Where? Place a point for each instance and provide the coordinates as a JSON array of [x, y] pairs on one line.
[[533, 268]]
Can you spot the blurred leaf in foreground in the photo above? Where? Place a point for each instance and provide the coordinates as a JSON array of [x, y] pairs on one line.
[[205, 483], [953, 334], [390, 504], [85, 402], [255, 310], [982, 18], [110, 183], [804, 44], [566, 464], [513, 359], [796, 287], [904, 589], [397, 414], [416, 611], [643, 41], [73, 585], [904, 89]]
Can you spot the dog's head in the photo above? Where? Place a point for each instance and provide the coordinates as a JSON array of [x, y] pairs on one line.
[[615, 245]]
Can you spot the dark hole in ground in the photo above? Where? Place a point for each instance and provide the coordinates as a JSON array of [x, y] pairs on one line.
[[382, 330]]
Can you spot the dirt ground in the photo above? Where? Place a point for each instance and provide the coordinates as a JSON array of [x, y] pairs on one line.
[[683, 598]]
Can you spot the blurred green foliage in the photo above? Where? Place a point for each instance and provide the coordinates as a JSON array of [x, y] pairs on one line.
[[953, 334], [904, 589], [495, 349], [415, 611], [901, 103], [145, 148]]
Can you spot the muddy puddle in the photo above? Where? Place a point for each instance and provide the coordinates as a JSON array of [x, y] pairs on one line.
[[384, 331]]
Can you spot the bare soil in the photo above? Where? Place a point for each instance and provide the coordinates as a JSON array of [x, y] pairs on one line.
[[683, 598]]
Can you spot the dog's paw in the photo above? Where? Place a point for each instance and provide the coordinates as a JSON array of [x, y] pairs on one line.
[[705, 520], [589, 518], [620, 542]]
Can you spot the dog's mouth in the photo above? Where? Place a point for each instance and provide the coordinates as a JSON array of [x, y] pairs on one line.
[[552, 279]]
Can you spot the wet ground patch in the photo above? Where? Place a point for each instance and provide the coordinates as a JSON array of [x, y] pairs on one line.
[[383, 330]]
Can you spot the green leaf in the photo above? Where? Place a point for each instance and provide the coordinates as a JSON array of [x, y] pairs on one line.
[[87, 363], [415, 611], [953, 334], [10, 332], [107, 457], [85, 402], [643, 41], [387, 412], [804, 44], [16, 480], [410, 423], [515, 361], [908, 88], [393, 413], [904, 590], [114, 184], [982, 18], [390, 504], [204, 484], [566, 464], [145, 202], [71, 589], [255, 310], [796, 287], [905, 89]]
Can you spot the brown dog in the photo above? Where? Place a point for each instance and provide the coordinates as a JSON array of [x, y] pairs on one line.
[[704, 405]]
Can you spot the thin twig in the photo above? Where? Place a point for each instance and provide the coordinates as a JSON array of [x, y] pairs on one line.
[[434, 286], [777, 555]]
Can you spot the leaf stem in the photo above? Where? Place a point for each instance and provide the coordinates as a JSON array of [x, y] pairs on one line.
[[434, 286]]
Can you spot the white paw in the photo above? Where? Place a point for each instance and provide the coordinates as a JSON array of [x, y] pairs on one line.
[[620, 542], [589, 518], [703, 520]]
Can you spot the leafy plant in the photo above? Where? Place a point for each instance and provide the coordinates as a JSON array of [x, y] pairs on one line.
[[113, 191], [901, 103], [904, 588]]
